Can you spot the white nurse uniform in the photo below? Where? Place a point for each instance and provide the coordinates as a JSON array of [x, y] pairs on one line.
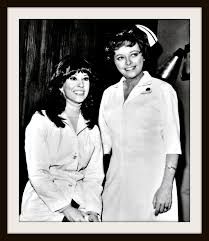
[[140, 131]]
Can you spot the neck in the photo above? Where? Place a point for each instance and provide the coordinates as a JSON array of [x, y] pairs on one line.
[[72, 108], [134, 81]]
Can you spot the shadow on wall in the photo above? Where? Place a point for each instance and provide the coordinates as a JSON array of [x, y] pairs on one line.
[[175, 34]]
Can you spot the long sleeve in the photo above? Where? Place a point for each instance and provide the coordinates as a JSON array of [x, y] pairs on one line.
[[38, 164], [105, 132], [171, 130], [91, 186]]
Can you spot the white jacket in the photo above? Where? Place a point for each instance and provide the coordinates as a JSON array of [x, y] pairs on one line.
[[62, 165]]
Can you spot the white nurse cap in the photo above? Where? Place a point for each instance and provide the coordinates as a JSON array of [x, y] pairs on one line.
[[152, 39]]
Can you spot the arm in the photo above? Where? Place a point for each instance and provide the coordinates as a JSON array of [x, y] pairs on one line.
[[162, 200], [73, 214], [38, 164], [91, 186], [105, 132]]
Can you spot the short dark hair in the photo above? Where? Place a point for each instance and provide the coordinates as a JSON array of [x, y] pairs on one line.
[[128, 37], [55, 101]]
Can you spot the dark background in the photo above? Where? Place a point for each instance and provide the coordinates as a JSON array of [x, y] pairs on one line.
[[44, 42]]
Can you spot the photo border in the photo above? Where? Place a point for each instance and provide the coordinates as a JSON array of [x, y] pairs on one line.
[[3, 104]]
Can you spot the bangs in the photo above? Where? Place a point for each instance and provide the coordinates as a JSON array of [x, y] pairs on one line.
[[67, 67], [126, 43], [79, 70]]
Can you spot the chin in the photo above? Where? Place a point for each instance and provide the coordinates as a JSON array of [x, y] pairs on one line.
[[130, 76], [80, 100]]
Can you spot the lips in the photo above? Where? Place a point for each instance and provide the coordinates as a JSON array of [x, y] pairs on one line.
[[79, 92], [130, 68]]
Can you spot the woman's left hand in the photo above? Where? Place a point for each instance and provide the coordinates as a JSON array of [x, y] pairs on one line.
[[92, 216], [162, 200]]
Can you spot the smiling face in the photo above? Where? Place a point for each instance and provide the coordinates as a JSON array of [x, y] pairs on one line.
[[129, 61], [76, 87]]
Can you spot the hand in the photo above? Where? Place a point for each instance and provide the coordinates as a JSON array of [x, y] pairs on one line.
[[162, 200], [92, 216], [73, 214]]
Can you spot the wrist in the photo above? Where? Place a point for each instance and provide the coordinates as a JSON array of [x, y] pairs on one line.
[[67, 209], [63, 209], [171, 168], [167, 184]]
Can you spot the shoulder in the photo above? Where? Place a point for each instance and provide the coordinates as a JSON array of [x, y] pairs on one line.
[[111, 88], [165, 88], [110, 92], [39, 121], [39, 117]]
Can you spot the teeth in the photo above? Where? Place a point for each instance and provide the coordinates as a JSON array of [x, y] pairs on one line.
[[130, 68], [79, 92]]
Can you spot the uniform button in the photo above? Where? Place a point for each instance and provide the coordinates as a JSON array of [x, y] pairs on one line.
[[75, 156]]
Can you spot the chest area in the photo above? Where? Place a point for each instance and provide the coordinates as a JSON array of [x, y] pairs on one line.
[[126, 91], [143, 108], [65, 147]]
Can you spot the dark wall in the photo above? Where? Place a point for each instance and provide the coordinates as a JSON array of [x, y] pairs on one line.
[[42, 44]]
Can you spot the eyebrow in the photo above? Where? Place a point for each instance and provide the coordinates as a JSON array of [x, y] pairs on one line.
[[136, 50], [139, 51]]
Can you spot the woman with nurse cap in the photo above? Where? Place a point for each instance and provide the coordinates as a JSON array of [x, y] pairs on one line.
[[139, 126]]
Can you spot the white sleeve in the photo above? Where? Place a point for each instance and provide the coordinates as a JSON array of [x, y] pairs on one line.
[[91, 186], [105, 131], [38, 163], [171, 130]]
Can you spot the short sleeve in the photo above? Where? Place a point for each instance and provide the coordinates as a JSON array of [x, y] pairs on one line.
[[171, 127], [105, 131]]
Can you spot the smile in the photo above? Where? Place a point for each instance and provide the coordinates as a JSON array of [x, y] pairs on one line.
[[79, 92], [129, 68]]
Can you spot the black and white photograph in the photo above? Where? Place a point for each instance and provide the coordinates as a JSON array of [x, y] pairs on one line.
[[104, 120], [139, 119]]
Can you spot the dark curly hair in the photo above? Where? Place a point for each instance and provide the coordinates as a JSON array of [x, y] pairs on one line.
[[55, 101], [128, 37]]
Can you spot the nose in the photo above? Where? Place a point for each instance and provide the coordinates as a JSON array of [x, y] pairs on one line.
[[128, 61], [80, 83]]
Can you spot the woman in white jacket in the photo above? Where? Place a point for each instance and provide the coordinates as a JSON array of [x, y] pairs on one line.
[[63, 150]]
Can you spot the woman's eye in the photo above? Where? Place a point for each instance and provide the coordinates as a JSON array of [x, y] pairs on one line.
[[86, 78], [120, 58], [135, 54], [73, 78]]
